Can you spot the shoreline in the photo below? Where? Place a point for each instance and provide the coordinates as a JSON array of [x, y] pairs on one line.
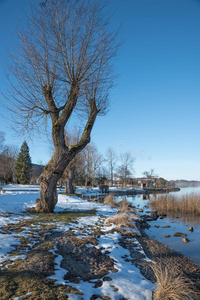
[[144, 191], [126, 192], [159, 252]]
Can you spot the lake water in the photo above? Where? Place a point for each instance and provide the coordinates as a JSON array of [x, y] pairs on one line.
[[191, 249]]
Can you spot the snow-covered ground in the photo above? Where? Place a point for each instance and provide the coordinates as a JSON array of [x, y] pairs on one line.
[[128, 281], [21, 187]]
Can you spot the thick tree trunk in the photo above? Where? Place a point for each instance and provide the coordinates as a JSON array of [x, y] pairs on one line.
[[48, 185], [69, 188], [49, 178], [48, 188], [62, 154], [48, 196]]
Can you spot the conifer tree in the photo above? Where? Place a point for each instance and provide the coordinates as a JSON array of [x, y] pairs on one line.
[[23, 165]]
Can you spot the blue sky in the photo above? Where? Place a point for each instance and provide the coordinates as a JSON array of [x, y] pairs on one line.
[[155, 105]]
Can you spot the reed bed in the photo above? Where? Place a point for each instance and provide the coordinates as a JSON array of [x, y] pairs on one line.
[[184, 205]]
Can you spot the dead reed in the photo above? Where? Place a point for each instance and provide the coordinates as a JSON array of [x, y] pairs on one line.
[[122, 216], [123, 206], [170, 284], [121, 220], [188, 204], [109, 200]]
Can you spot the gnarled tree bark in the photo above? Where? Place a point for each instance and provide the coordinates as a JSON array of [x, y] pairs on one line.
[[61, 158]]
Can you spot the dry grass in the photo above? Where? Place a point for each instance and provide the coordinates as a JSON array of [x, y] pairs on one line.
[[188, 204], [171, 285], [121, 220], [123, 206], [122, 217], [125, 233], [109, 200]]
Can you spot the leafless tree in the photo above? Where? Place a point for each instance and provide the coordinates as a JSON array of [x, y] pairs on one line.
[[86, 165], [102, 174], [111, 158], [2, 140], [62, 65], [125, 169], [150, 174], [7, 163], [92, 162]]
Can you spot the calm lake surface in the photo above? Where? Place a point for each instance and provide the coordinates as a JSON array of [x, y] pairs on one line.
[[191, 249]]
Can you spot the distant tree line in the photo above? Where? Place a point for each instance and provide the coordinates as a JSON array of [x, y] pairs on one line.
[[89, 167], [15, 165]]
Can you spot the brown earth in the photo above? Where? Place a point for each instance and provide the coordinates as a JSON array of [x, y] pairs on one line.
[[81, 262]]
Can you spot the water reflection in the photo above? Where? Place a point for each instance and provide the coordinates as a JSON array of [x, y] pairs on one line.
[[145, 197], [187, 190], [189, 219], [177, 223]]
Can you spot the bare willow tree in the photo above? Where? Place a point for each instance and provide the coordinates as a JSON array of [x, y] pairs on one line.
[[62, 64], [92, 162], [125, 169], [7, 163], [111, 158]]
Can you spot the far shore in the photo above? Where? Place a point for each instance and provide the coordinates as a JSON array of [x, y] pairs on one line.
[[145, 191], [125, 191]]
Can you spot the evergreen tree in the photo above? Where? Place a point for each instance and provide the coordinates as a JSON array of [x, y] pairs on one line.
[[23, 165]]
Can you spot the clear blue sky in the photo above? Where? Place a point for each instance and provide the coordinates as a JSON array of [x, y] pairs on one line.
[[155, 106]]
